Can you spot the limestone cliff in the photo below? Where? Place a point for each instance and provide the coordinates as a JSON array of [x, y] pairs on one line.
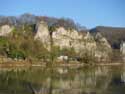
[[98, 47], [5, 30], [104, 49], [42, 33], [122, 50], [65, 38]]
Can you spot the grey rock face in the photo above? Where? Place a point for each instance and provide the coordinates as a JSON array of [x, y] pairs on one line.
[[42, 33], [122, 49], [72, 39], [5, 30], [104, 49]]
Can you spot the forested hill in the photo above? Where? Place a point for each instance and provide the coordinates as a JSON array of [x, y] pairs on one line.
[[113, 34], [31, 19]]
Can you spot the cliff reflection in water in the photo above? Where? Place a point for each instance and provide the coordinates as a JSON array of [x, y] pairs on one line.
[[86, 80]]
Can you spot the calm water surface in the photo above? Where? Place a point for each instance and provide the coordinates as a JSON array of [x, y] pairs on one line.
[[86, 80]]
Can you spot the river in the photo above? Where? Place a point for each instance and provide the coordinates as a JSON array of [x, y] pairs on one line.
[[58, 80]]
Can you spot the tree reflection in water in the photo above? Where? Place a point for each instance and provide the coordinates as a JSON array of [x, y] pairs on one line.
[[86, 80]]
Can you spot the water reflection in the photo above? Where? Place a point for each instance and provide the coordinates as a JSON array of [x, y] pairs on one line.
[[86, 80]]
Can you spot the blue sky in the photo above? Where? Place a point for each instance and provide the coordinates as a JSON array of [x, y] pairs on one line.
[[89, 13]]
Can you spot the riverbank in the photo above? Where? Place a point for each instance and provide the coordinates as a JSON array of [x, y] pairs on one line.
[[73, 64]]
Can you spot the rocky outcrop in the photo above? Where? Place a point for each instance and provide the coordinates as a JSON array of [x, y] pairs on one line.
[[63, 38], [42, 33], [67, 38], [104, 49], [122, 50], [5, 30]]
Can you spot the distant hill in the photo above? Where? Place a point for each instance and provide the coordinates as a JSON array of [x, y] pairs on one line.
[[114, 35]]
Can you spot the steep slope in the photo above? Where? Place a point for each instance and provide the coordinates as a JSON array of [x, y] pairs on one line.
[[62, 37], [84, 44]]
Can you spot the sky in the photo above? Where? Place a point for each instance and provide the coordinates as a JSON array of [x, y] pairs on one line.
[[89, 13]]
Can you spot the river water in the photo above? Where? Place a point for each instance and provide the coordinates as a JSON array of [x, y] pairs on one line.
[[58, 80]]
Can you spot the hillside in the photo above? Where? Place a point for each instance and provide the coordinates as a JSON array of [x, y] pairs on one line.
[[42, 41], [114, 35], [31, 19]]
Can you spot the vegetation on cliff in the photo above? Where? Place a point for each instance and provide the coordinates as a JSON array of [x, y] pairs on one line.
[[50, 40]]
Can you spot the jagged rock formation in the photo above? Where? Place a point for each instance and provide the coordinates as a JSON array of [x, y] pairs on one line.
[[42, 33], [5, 30], [85, 45], [64, 38], [72, 39], [67, 38], [98, 46], [122, 48], [103, 47]]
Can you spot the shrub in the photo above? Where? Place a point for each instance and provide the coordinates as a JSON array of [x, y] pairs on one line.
[[16, 54]]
